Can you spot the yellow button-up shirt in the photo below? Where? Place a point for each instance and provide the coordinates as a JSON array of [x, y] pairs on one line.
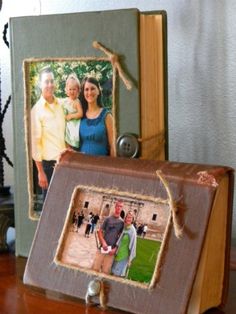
[[47, 130]]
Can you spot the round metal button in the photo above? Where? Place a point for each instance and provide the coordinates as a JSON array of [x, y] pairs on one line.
[[127, 145], [94, 287]]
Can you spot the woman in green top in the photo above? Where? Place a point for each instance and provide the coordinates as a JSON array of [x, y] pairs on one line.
[[126, 248]]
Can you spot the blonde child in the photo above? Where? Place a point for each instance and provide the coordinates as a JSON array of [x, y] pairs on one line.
[[73, 111]]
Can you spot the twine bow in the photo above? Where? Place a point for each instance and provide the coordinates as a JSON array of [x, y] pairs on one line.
[[115, 63]]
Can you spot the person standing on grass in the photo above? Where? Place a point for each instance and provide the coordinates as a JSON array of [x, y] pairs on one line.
[[145, 229], [126, 247]]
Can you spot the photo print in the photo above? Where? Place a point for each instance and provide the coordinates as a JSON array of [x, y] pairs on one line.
[[58, 93], [113, 234]]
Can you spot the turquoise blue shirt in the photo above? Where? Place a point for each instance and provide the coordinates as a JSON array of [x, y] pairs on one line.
[[93, 135]]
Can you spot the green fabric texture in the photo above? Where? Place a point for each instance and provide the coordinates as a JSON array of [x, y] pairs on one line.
[[123, 251]]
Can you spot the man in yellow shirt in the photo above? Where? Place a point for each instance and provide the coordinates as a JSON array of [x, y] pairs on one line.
[[47, 129]]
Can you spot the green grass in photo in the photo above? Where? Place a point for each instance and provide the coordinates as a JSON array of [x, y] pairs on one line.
[[143, 265]]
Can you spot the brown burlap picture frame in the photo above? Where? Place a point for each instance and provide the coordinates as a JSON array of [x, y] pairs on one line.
[[74, 244]]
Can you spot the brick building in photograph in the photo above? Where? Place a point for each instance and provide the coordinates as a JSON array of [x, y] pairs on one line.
[[153, 213]]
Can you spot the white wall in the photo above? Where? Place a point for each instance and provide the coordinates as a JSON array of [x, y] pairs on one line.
[[201, 70]]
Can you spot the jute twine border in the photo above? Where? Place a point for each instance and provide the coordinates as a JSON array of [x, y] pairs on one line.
[[31, 213]]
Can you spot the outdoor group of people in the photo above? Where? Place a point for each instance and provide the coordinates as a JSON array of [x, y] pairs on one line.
[[142, 230], [117, 238], [77, 122], [77, 219], [91, 221]]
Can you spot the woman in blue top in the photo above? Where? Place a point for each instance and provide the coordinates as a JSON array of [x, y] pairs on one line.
[[96, 127]]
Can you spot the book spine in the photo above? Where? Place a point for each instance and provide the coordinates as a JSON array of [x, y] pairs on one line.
[[192, 173]]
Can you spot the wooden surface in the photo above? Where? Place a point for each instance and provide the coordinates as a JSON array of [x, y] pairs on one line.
[[17, 298]]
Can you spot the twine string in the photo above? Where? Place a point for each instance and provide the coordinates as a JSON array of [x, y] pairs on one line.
[[115, 63], [173, 207]]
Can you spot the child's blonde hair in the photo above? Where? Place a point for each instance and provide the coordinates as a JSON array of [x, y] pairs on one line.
[[73, 77]]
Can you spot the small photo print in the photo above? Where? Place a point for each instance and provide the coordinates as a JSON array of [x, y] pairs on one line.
[[113, 234]]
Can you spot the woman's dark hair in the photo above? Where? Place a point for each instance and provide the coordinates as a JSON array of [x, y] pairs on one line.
[[83, 101]]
